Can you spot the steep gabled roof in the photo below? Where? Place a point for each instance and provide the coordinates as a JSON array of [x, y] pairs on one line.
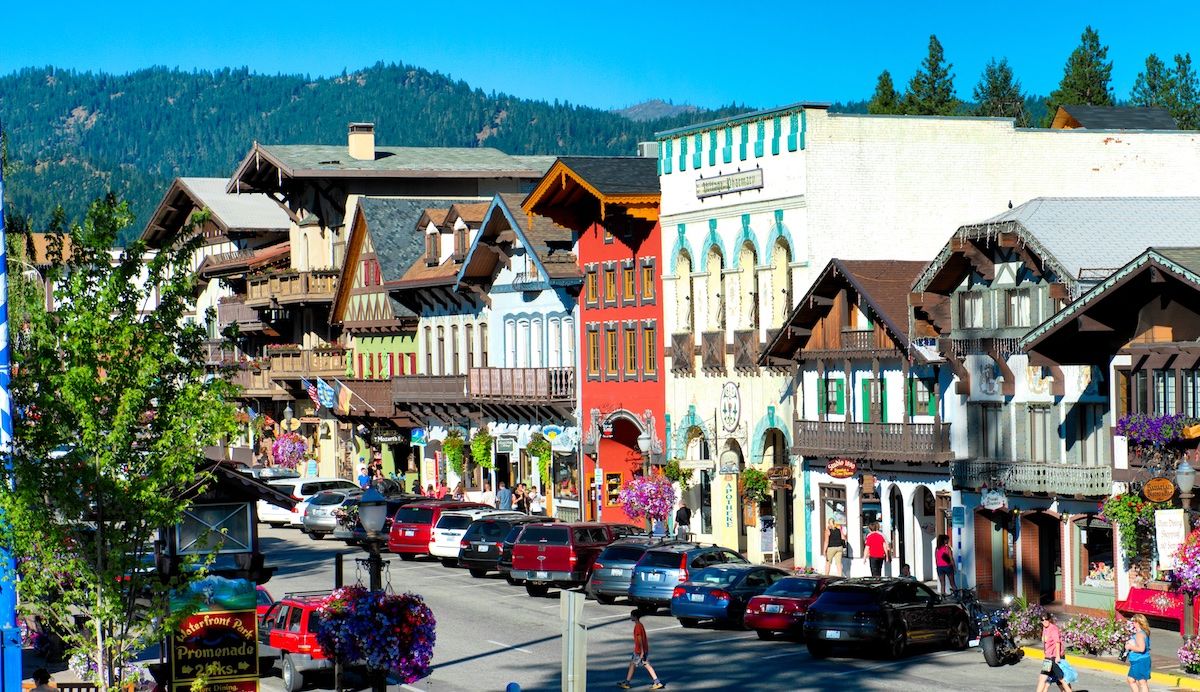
[[620, 192], [1113, 118], [882, 287], [471, 213], [244, 214], [616, 175], [432, 216], [551, 246]]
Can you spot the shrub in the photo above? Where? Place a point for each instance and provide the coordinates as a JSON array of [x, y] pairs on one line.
[[1189, 655], [1093, 635], [1025, 620]]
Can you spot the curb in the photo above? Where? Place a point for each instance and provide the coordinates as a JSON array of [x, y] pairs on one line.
[[1083, 662]]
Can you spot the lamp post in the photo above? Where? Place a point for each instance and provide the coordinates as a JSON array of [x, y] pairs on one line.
[[643, 443], [287, 418], [372, 512], [1185, 478]]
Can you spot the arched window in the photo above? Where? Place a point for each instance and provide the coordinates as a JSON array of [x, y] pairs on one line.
[[522, 344], [715, 293], [747, 292], [568, 339], [510, 343], [685, 322], [781, 278], [536, 352], [554, 341]]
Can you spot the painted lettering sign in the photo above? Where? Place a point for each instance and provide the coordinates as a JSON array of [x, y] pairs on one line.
[[219, 639], [841, 468], [1158, 489], [730, 182], [729, 505]]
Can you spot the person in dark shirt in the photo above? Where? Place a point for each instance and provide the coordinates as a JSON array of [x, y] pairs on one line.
[[835, 547], [683, 520]]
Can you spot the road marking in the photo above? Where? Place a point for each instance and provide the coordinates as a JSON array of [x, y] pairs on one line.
[[610, 618], [514, 595], [506, 646], [668, 627], [486, 583], [789, 653]]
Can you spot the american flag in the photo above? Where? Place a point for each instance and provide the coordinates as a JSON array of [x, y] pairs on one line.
[[312, 392]]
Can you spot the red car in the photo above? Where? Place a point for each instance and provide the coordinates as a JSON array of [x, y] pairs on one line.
[[264, 600], [286, 632], [558, 555], [781, 608], [412, 526]]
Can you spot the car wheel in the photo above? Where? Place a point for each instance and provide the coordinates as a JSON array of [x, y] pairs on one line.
[[407, 557], [958, 636], [536, 590], [738, 620], [688, 623], [765, 635], [478, 573], [512, 582], [897, 642], [276, 524], [605, 600], [449, 562], [818, 650], [315, 535], [293, 679]]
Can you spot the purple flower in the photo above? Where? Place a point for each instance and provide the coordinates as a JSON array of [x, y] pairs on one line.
[[288, 450], [647, 496]]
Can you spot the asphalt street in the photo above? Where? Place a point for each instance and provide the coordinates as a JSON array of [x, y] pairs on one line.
[[490, 634]]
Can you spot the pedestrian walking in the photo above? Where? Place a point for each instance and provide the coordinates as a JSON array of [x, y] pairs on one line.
[[944, 557], [641, 655], [877, 549], [460, 492], [521, 499], [834, 547], [487, 497], [442, 490], [504, 496], [683, 521], [1138, 647], [416, 486], [364, 478], [1052, 648], [429, 491], [537, 503]]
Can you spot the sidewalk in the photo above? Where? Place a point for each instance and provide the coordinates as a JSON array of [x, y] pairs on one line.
[[1164, 643]]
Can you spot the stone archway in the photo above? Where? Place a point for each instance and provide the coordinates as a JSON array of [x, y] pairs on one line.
[[924, 533], [782, 504]]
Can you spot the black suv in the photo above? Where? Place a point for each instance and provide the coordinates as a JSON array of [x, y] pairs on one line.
[[660, 570], [484, 541]]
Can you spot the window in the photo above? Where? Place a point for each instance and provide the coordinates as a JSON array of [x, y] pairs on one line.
[[483, 345], [921, 401], [469, 347], [833, 506], [1018, 309], [608, 237], [1191, 393], [460, 244], [628, 284], [592, 290], [294, 619], [610, 350], [874, 401], [428, 352], [510, 341], [1096, 567], [970, 310], [593, 353], [1042, 440], [569, 342], [522, 345], [648, 282], [441, 351], [649, 350], [1164, 392], [610, 285], [831, 397], [454, 349], [1087, 433], [431, 249], [992, 439], [631, 351], [537, 357]]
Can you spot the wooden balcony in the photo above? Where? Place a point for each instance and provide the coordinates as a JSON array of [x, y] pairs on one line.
[[683, 353], [712, 352], [246, 317], [295, 363], [745, 350], [1033, 477], [437, 389], [291, 288], [526, 385], [218, 352], [256, 383], [852, 343], [917, 442]]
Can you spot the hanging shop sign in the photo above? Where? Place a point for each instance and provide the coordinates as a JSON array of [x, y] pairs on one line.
[[730, 462], [729, 183], [1170, 530], [551, 432], [417, 436], [697, 464], [505, 445], [1158, 490], [841, 468], [220, 639], [993, 499], [731, 406]]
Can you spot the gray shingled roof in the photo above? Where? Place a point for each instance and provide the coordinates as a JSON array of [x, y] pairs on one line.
[[553, 244], [298, 158], [1186, 257], [250, 212], [1121, 118], [617, 175], [392, 223]]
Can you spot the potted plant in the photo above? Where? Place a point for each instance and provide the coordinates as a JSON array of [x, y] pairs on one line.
[[540, 448], [648, 497], [452, 447], [481, 448], [756, 487], [677, 474]]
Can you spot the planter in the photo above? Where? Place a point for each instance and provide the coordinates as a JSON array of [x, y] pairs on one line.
[[1191, 432]]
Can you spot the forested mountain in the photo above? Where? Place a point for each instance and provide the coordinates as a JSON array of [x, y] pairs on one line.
[[71, 136]]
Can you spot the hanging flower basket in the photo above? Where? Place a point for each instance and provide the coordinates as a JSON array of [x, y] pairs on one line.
[[390, 632], [288, 450], [652, 497]]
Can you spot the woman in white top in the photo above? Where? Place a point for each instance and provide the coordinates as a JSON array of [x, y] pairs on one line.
[[535, 500]]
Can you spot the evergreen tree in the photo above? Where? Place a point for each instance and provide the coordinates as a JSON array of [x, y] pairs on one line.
[[1185, 101], [931, 89], [998, 94], [1155, 86], [1086, 77], [885, 100]]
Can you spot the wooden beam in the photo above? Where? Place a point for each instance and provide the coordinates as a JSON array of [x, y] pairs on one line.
[[798, 332], [963, 385], [1058, 387], [1010, 381], [1009, 239], [980, 261], [1029, 260], [1091, 324], [1059, 291], [1156, 276], [820, 301]]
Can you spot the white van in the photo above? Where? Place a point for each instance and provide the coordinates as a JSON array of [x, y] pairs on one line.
[[301, 489]]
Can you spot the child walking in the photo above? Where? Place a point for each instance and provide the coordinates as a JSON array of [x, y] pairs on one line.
[[641, 655]]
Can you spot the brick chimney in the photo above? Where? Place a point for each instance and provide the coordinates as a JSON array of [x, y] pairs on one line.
[[362, 141]]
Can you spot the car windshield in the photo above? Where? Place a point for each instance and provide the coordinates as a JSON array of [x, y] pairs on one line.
[[660, 558], [263, 598], [513, 534], [414, 515], [622, 553], [454, 521], [716, 576], [546, 534], [848, 597], [327, 499], [796, 588], [486, 531]]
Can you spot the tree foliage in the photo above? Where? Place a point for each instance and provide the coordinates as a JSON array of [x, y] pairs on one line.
[[1154, 85], [113, 411], [998, 94], [931, 89], [885, 100], [1173, 88], [1185, 107], [1086, 77]]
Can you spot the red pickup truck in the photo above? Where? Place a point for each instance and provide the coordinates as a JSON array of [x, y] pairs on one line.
[[286, 631], [412, 527], [559, 555]]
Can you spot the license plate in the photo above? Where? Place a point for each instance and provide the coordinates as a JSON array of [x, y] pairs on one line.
[[772, 608], [696, 597], [654, 576], [484, 548], [833, 634], [973, 643], [409, 532], [616, 572], [543, 575]]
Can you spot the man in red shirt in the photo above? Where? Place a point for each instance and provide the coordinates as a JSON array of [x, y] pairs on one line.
[[641, 655], [877, 549]]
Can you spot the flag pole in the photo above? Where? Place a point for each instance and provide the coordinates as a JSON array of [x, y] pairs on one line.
[[10, 635]]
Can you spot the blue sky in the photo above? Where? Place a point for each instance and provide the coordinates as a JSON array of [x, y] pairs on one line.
[[604, 54]]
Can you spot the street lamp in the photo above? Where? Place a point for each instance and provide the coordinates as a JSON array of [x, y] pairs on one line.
[[1185, 477], [643, 443], [287, 418], [372, 512]]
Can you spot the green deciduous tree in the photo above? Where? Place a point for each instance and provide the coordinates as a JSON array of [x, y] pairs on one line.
[[1154, 86], [113, 411], [998, 94], [931, 89], [1086, 77], [885, 100]]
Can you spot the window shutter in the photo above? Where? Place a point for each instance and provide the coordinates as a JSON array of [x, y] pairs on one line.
[[865, 409], [696, 161], [745, 141], [727, 152], [683, 152], [712, 148], [777, 132], [793, 132], [841, 397], [1023, 448], [933, 397], [820, 396], [910, 397], [883, 407]]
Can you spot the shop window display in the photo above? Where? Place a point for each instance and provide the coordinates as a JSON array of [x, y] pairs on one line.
[[566, 478], [1096, 555]]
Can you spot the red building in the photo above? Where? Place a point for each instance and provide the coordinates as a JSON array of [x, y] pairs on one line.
[[611, 203]]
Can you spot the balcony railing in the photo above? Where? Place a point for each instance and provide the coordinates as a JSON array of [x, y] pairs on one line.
[[257, 383], [1033, 477], [285, 288], [294, 363], [683, 353], [712, 351], [218, 352], [928, 442], [445, 389], [371, 398], [527, 280], [542, 385], [247, 318]]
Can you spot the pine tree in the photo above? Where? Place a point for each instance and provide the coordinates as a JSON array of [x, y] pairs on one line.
[[885, 100], [1185, 101], [1086, 77], [931, 89], [1155, 86], [998, 95]]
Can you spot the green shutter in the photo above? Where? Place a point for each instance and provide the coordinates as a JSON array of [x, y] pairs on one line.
[[667, 161], [761, 137], [696, 161], [820, 396], [841, 397], [933, 396], [883, 414], [910, 396], [683, 154], [793, 132], [727, 152], [712, 147], [778, 132], [865, 414], [745, 141]]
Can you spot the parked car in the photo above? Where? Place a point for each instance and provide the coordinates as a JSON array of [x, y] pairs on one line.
[[620, 531], [447, 534], [301, 489], [613, 569], [319, 521], [264, 601], [354, 533], [559, 555], [884, 613], [412, 525], [721, 593], [484, 542], [504, 564], [268, 473], [662, 569], [781, 608], [286, 631]]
